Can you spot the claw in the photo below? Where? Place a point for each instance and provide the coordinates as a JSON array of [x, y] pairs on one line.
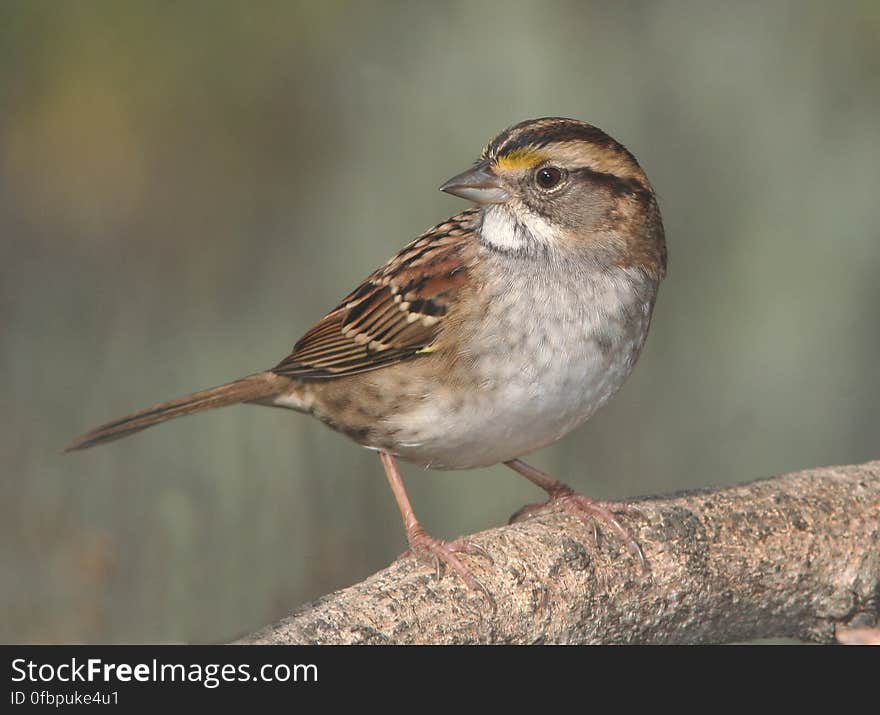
[[441, 553], [473, 548], [587, 510], [590, 513]]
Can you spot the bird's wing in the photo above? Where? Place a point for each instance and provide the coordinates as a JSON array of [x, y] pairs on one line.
[[395, 314]]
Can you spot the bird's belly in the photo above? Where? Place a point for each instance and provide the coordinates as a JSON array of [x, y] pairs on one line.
[[523, 407]]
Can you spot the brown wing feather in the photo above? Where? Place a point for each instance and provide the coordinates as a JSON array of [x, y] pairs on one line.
[[396, 313]]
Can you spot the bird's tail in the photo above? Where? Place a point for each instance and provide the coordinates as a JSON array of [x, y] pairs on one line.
[[247, 389]]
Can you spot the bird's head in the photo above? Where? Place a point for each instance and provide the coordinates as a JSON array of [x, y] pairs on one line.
[[562, 185]]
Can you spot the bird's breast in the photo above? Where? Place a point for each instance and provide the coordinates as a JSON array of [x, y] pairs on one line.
[[544, 356]]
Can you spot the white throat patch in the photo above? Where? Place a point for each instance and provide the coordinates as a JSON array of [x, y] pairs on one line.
[[506, 230]]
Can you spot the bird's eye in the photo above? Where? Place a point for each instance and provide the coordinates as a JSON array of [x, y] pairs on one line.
[[548, 177]]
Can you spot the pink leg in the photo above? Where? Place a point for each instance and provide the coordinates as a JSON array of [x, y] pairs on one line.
[[426, 547], [586, 509]]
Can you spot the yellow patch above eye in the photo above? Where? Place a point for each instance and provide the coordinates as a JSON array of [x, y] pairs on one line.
[[520, 159]]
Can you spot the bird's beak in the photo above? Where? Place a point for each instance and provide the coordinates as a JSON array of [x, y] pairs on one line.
[[478, 184]]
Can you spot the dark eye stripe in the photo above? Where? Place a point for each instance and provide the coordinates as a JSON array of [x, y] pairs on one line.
[[617, 184]]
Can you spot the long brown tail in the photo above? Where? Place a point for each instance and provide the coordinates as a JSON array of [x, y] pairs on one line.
[[252, 387]]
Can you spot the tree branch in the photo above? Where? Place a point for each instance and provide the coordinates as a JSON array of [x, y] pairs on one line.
[[796, 555]]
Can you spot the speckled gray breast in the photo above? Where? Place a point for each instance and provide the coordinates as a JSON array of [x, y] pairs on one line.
[[546, 355]]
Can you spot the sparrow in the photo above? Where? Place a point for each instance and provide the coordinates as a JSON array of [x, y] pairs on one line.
[[490, 336]]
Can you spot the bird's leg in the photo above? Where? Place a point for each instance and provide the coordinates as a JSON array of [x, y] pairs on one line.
[[426, 547], [586, 509]]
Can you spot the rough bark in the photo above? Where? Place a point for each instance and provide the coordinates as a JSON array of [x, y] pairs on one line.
[[795, 556]]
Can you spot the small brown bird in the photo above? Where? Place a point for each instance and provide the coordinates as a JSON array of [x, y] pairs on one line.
[[491, 335]]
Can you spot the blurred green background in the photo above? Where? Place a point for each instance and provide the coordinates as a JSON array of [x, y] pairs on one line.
[[186, 187]]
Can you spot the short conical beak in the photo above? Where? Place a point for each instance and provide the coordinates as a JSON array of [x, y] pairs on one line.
[[478, 184]]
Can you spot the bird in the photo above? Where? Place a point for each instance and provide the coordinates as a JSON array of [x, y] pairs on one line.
[[490, 336]]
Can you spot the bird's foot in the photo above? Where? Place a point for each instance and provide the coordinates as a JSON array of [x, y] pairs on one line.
[[590, 512], [441, 553]]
